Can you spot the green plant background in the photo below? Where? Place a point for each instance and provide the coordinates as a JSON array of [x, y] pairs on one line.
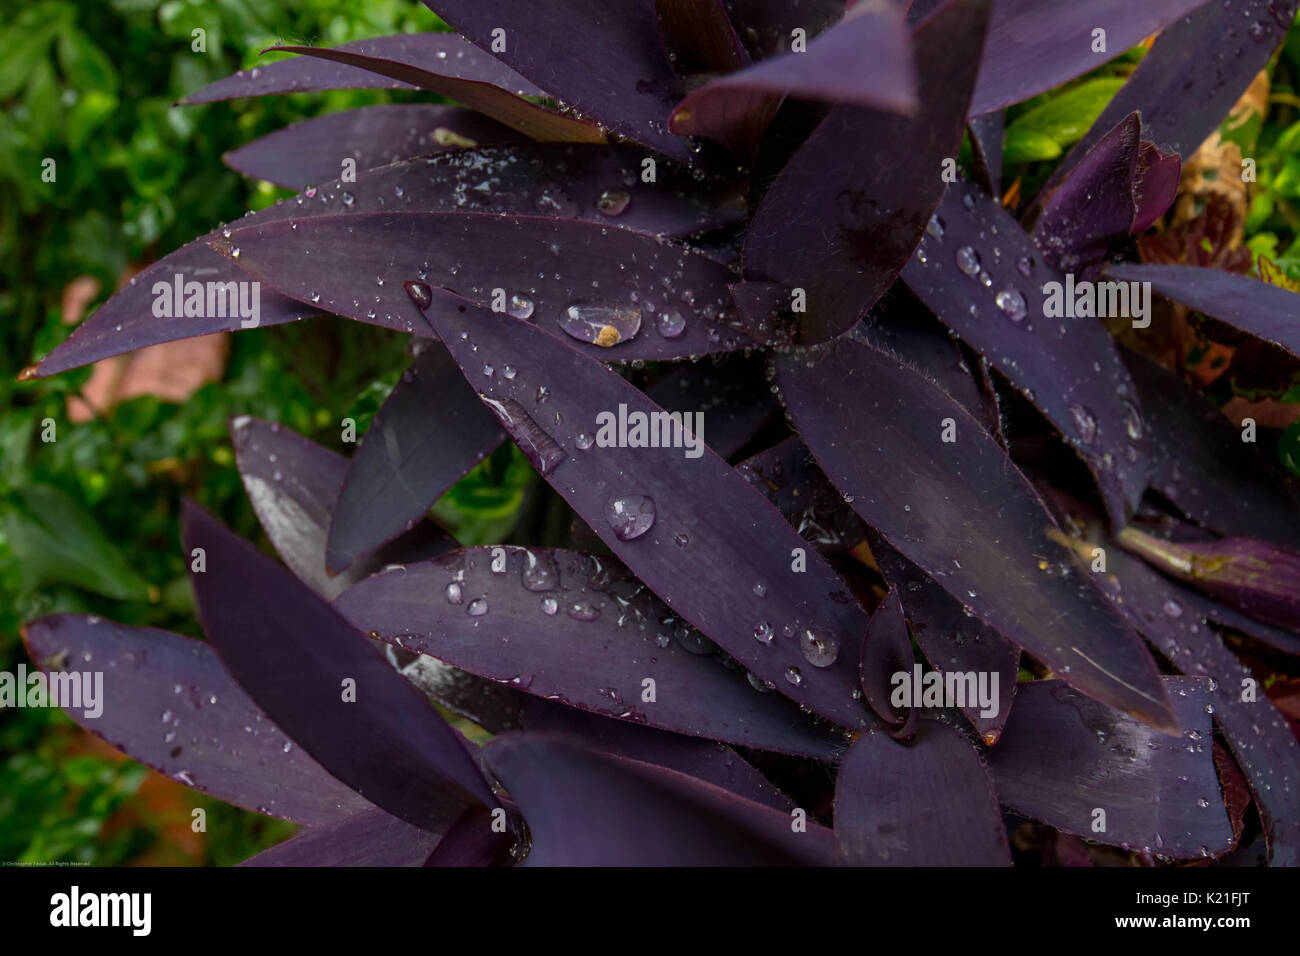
[[89, 522]]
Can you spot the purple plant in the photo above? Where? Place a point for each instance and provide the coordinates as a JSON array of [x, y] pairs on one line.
[[966, 451]]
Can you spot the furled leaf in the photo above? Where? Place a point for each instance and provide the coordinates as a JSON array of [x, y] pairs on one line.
[[1265, 311], [604, 61], [639, 814], [168, 702], [1200, 463], [1253, 576], [886, 651], [705, 760], [951, 639], [1193, 74], [507, 108], [473, 840], [1034, 46], [312, 151], [449, 54], [984, 278], [326, 685], [924, 803], [964, 514], [1096, 203], [1063, 757], [293, 485], [577, 629], [863, 60], [691, 528], [596, 283], [370, 838], [429, 433], [1158, 179], [842, 231], [57, 541], [1175, 619]]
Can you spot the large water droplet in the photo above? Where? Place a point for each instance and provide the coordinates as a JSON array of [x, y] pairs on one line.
[[763, 632], [1173, 608], [630, 516], [603, 325], [541, 450], [935, 226], [1132, 421], [968, 261], [583, 611], [1025, 265], [520, 306], [793, 676], [477, 608], [550, 606], [455, 595], [420, 294], [1012, 304], [670, 323], [820, 647], [612, 202], [539, 572]]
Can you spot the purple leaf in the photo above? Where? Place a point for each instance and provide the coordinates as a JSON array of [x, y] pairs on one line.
[[293, 485], [842, 231], [510, 109], [611, 69], [1034, 46], [926, 803], [733, 398], [312, 151], [1268, 312], [580, 630], [787, 476], [674, 205], [965, 515], [698, 39], [705, 760], [984, 278], [1175, 620], [473, 840], [1193, 74], [639, 814], [431, 430], [449, 54], [863, 60], [355, 265], [326, 685], [169, 703], [127, 322], [690, 527], [952, 640], [886, 651], [1201, 464], [986, 133], [1159, 175], [761, 305], [1253, 576], [370, 838], [1096, 203], [767, 28], [1063, 757]]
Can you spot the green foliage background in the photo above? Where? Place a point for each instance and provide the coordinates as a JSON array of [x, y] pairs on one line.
[[89, 522]]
